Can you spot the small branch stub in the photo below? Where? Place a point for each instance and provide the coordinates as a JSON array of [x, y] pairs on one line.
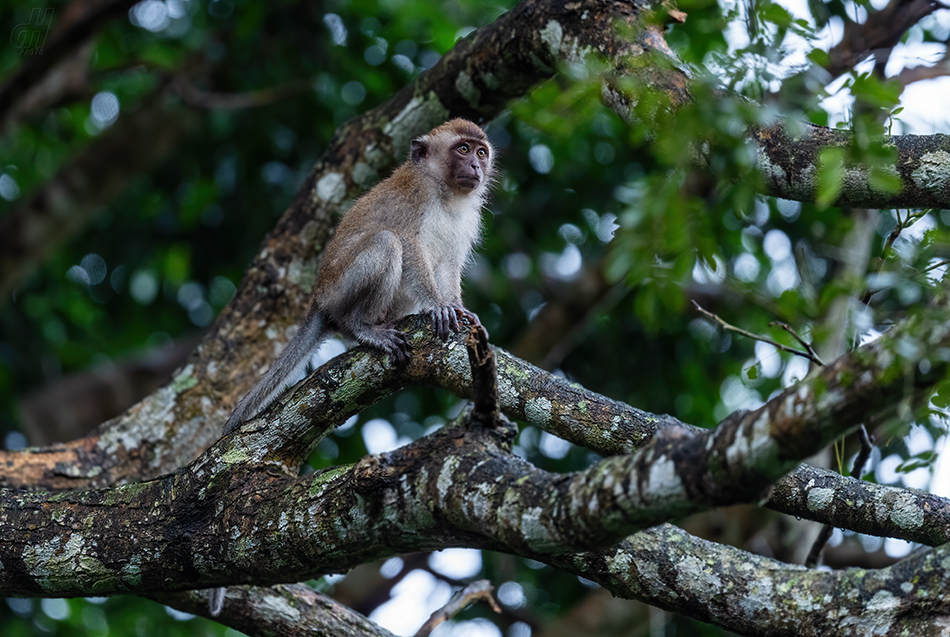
[[480, 590], [484, 376]]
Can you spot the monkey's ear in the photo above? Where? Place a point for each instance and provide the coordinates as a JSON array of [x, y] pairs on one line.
[[418, 150]]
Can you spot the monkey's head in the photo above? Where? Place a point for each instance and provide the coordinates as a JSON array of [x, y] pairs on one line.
[[457, 154]]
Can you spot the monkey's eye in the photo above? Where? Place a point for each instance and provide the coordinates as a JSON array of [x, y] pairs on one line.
[[463, 148], [482, 153]]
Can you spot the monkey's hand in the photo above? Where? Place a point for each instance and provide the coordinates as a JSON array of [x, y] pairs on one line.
[[446, 319]]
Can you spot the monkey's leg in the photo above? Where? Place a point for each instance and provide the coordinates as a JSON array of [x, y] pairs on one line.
[[366, 294]]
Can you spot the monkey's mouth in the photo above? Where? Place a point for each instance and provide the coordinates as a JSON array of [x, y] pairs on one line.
[[468, 181]]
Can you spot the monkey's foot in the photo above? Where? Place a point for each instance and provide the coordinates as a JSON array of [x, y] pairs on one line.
[[471, 316], [446, 319]]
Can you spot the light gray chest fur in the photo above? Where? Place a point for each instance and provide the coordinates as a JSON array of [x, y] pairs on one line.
[[448, 234]]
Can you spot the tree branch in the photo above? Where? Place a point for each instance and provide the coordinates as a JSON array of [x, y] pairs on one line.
[[289, 610], [789, 159], [881, 30], [527, 393], [481, 361], [474, 592], [789, 155], [755, 595], [457, 486], [863, 507], [808, 353]]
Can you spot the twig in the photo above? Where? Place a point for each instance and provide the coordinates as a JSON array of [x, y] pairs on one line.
[[738, 330], [893, 236], [211, 100], [935, 266], [911, 219], [480, 590], [867, 446], [823, 536], [813, 355]]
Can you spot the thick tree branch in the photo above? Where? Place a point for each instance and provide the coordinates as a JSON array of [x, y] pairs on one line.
[[73, 406], [825, 496], [790, 162], [357, 379], [790, 154], [663, 564], [454, 487], [349, 384], [754, 595], [288, 610]]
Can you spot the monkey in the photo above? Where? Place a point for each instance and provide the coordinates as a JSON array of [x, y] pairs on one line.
[[399, 250]]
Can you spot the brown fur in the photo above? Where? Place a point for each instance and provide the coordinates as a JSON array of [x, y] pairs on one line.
[[399, 250]]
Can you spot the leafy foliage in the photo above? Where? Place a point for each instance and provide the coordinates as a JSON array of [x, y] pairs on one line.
[[582, 193]]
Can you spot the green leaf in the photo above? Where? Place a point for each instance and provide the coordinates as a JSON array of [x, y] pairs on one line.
[[921, 460], [941, 395], [830, 175], [870, 89], [777, 14], [819, 57], [885, 180]]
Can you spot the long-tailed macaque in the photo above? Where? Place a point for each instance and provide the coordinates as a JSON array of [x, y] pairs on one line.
[[399, 250]]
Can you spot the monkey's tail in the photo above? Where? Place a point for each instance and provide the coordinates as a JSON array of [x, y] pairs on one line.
[[286, 370]]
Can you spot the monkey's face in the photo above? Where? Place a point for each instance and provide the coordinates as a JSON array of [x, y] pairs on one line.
[[469, 164], [456, 155]]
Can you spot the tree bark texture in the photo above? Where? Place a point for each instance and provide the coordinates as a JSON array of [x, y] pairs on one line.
[[240, 513], [152, 504]]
